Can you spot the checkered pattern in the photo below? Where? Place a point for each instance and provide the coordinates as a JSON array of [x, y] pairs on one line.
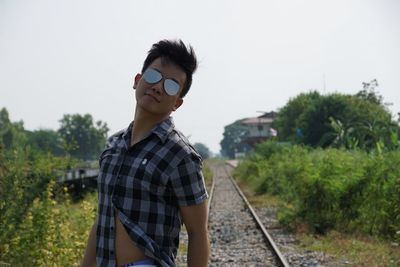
[[147, 183]]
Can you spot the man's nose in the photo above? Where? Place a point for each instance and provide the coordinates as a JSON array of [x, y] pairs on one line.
[[158, 87]]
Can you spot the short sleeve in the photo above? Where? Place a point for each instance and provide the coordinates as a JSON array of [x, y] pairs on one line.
[[188, 182]]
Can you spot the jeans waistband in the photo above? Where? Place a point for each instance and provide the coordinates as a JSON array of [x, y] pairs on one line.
[[141, 263]]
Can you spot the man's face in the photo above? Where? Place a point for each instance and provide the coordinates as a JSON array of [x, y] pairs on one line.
[[152, 97]]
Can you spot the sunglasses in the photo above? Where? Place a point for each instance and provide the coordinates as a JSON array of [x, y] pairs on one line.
[[153, 76]]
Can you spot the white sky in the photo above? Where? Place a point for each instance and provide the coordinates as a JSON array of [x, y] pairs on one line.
[[75, 56]]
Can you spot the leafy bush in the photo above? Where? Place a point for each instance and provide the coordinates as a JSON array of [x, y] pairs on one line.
[[331, 188], [324, 200], [380, 213], [39, 228], [24, 176]]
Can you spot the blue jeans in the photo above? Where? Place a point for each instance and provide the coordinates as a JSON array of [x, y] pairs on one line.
[[141, 263]]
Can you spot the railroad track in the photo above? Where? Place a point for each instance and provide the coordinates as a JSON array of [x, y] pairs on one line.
[[238, 238]]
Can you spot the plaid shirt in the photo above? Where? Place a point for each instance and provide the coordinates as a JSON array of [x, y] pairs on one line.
[[147, 183]]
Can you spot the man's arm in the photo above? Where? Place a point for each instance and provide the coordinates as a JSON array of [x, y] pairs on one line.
[[89, 259], [195, 219]]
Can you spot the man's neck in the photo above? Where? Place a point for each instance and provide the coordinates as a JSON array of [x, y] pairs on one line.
[[143, 123]]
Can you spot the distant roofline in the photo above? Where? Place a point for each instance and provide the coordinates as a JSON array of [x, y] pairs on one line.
[[271, 114], [257, 120]]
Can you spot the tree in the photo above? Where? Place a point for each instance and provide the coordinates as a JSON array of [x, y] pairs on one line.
[[46, 141], [203, 150], [339, 120], [12, 134], [315, 121], [378, 135], [231, 142], [289, 119], [81, 136], [368, 93], [341, 135]]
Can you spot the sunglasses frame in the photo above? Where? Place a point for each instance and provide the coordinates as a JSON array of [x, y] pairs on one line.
[[170, 86]]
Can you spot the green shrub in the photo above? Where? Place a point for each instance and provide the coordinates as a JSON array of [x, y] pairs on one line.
[[323, 203], [39, 228], [331, 188], [269, 148], [380, 213], [24, 177]]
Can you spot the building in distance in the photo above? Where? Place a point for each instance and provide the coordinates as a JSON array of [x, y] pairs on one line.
[[259, 129]]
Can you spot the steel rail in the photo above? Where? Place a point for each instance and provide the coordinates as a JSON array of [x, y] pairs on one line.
[[211, 193], [275, 249]]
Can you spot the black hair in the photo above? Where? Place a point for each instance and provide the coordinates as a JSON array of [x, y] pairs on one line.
[[175, 52]]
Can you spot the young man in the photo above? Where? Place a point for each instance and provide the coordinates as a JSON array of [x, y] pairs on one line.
[[150, 179]]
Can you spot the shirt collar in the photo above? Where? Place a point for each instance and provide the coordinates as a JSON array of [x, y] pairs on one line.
[[162, 130]]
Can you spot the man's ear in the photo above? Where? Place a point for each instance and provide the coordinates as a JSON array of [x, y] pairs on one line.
[[178, 103], [136, 81]]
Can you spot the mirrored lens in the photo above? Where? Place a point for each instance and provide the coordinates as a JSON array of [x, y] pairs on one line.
[[152, 76], [171, 87]]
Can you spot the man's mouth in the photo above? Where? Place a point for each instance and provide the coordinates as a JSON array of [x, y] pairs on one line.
[[153, 96]]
